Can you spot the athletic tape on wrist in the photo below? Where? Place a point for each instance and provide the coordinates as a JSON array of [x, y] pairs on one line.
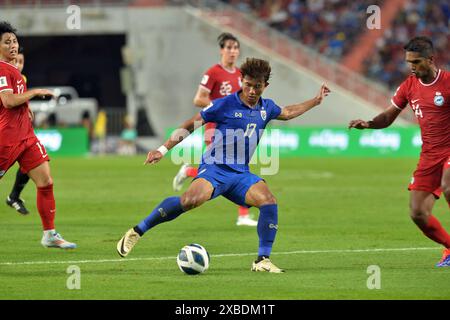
[[163, 150]]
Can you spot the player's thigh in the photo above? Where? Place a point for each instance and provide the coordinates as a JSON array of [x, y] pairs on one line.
[[34, 161], [259, 195], [8, 155], [198, 193], [421, 203], [41, 175], [446, 176]]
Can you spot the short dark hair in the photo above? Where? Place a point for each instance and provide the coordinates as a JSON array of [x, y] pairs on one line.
[[422, 45], [6, 27], [20, 51], [256, 69], [224, 37]]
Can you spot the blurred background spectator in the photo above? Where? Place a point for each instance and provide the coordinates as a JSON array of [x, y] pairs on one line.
[[332, 27], [127, 142], [418, 17]]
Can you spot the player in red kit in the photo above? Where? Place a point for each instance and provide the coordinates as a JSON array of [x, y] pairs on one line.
[[219, 81], [427, 91], [17, 139], [13, 199]]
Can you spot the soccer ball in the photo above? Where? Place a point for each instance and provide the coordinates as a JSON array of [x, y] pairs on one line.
[[193, 259]]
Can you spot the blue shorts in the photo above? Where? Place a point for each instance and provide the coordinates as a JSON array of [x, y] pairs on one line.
[[227, 182]]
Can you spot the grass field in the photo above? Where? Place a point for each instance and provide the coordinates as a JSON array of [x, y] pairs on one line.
[[337, 217]]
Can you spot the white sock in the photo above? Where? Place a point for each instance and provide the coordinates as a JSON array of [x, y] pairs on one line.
[[49, 232]]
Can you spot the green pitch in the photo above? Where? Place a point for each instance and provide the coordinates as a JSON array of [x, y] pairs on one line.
[[337, 217]]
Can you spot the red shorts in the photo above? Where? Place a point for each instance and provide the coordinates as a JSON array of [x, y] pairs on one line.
[[428, 175], [209, 132], [30, 153]]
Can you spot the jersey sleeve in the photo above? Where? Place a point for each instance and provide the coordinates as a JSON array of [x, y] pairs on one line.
[[400, 98], [275, 111], [5, 81], [208, 80], [213, 112]]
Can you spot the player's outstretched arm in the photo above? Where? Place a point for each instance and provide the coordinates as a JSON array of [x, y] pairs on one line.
[[176, 137], [293, 111], [12, 100], [383, 120], [201, 98]]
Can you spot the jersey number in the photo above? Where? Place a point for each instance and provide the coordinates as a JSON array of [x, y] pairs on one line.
[[417, 110], [41, 149], [20, 88], [250, 130]]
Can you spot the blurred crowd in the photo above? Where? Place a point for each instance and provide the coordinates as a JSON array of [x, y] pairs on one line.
[[328, 26], [419, 17], [332, 27]]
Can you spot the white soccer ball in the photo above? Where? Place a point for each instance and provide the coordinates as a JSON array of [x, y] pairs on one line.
[[193, 259]]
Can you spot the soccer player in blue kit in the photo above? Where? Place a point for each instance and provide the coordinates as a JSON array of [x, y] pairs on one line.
[[241, 119]]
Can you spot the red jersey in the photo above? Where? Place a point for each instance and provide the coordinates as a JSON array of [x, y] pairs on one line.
[[431, 105], [15, 123], [221, 82]]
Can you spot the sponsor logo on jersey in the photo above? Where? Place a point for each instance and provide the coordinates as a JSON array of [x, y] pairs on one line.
[[264, 114], [439, 99], [238, 114], [3, 82], [273, 226]]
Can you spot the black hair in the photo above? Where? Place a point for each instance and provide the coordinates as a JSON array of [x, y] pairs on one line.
[[422, 45], [20, 51], [6, 27], [256, 69], [224, 37]]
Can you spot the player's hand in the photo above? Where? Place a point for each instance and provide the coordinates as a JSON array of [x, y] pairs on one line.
[[323, 92], [153, 157], [44, 93], [358, 124]]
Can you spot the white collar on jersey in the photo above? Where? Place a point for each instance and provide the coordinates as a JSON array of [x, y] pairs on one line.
[[434, 81], [226, 69]]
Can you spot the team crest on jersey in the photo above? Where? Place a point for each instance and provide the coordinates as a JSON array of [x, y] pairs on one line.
[[264, 115], [3, 82], [439, 99]]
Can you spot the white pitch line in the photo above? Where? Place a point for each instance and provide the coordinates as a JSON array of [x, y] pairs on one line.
[[216, 256]]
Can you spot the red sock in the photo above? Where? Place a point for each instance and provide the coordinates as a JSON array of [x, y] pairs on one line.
[[46, 206], [191, 172], [243, 211], [435, 232]]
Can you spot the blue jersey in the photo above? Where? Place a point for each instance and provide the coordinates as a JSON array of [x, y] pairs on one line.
[[239, 129]]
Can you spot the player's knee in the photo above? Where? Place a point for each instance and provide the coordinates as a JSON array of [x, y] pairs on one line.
[[268, 199], [191, 201], [418, 214], [186, 202], [44, 181]]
